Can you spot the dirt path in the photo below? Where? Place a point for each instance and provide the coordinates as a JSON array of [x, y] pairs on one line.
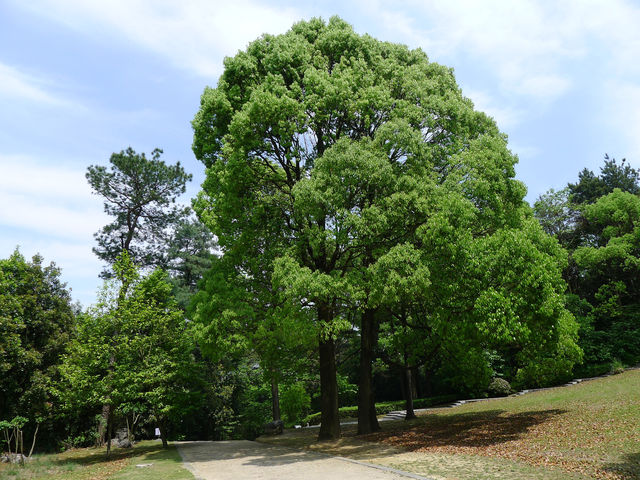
[[253, 460]]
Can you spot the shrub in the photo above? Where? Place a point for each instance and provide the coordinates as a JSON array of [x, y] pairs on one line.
[[499, 387], [616, 367], [294, 402], [382, 408]]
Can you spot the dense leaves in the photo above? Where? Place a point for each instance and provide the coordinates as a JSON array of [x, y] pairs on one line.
[[375, 189], [36, 324]]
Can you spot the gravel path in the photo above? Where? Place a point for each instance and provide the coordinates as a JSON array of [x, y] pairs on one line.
[[252, 460]]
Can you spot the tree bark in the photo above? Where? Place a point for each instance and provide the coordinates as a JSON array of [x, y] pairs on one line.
[[163, 433], [330, 419], [275, 399], [408, 393], [33, 443], [102, 426], [109, 431], [367, 419]]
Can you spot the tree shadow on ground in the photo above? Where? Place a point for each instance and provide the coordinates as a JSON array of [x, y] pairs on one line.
[[476, 429], [627, 469], [93, 456]]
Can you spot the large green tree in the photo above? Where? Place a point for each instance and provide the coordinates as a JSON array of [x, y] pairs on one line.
[[595, 220], [334, 149], [36, 324]]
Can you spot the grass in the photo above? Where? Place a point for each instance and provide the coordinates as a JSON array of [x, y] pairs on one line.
[[590, 430], [92, 464]]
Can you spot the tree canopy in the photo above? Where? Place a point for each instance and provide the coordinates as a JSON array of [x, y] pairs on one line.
[[341, 156], [140, 194], [36, 323]]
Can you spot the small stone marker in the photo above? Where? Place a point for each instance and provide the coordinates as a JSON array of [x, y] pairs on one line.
[[142, 465]]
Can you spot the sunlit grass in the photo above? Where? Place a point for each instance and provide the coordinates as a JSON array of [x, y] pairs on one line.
[[92, 463], [589, 430]]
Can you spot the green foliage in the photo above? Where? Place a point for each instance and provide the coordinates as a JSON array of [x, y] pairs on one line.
[[351, 175], [36, 323], [188, 256], [591, 187], [140, 194], [607, 273], [596, 219], [382, 408], [499, 387], [617, 367], [133, 351], [294, 402]]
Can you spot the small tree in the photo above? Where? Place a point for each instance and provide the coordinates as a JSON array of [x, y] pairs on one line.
[[133, 352]]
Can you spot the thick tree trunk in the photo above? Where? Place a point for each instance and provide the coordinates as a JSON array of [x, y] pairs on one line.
[[408, 393], [163, 433], [367, 419], [275, 399], [414, 382], [330, 420], [102, 426]]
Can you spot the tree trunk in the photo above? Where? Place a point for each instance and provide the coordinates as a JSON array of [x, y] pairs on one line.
[[330, 420], [367, 419], [163, 433], [33, 443], [102, 426], [109, 431], [408, 393], [414, 382], [275, 399]]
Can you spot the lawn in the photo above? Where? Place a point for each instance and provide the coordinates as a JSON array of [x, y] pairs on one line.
[[589, 430], [92, 464]]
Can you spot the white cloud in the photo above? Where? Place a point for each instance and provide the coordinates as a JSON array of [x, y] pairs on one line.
[[47, 199], [622, 113], [506, 117], [16, 84], [192, 34], [528, 45]]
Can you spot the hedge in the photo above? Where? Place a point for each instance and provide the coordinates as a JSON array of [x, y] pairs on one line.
[[383, 408]]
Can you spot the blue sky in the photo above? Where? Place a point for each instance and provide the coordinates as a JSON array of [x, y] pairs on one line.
[[80, 79]]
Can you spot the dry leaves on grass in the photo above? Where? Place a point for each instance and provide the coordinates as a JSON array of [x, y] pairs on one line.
[[573, 441]]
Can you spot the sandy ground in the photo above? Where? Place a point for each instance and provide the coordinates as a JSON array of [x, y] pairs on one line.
[[252, 460]]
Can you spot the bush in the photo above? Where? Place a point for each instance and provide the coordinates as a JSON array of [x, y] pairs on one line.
[[294, 402], [383, 408], [616, 367], [499, 387]]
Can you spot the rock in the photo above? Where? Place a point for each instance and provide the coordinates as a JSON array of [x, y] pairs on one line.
[[143, 465], [14, 458], [274, 428], [121, 439]]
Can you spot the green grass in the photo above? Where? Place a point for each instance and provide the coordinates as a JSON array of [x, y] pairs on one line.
[[590, 430], [92, 463]]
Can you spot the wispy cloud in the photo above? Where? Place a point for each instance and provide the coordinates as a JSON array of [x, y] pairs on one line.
[[47, 199], [192, 34], [16, 84], [529, 47], [506, 116]]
